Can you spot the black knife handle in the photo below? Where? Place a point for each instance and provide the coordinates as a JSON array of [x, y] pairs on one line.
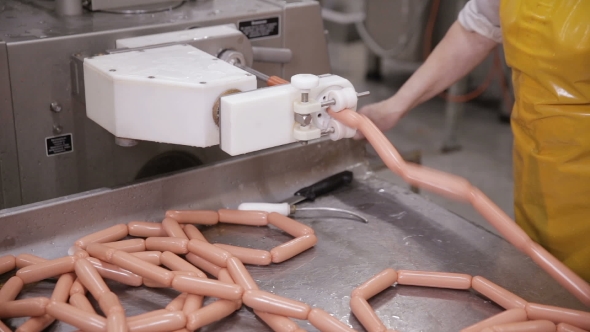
[[326, 185]]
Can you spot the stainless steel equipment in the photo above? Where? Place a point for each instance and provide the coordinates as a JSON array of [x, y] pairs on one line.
[[404, 231], [39, 78]]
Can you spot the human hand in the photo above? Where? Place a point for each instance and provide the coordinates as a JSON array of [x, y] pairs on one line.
[[382, 114]]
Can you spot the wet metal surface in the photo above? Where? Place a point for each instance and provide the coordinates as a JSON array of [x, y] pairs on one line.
[[404, 232]]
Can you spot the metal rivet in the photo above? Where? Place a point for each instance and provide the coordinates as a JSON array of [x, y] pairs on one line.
[[57, 129], [55, 107]]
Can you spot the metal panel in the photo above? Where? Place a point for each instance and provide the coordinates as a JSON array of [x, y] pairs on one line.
[[9, 172], [404, 232]]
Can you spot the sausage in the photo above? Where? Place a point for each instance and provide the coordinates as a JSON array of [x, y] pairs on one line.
[[224, 276], [209, 252], [193, 303], [530, 326], [563, 327], [173, 244], [277, 323], [77, 288], [117, 322], [172, 228], [132, 245], [178, 303], [153, 284], [201, 217], [24, 260], [376, 284], [508, 316], [497, 294], [557, 315], [274, 304], [251, 218], [100, 251], [292, 248], [80, 301], [365, 314], [175, 263], [7, 263], [207, 287], [76, 317], [113, 233], [90, 278], [11, 288], [140, 267], [113, 272], [145, 229], [323, 321], [288, 225], [203, 264], [109, 304], [61, 292], [434, 279], [161, 322], [211, 313], [35, 324], [149, 256], [77, 252], [240, 275], [145, 315], [4, 328], [34, 306], [247, 255], [48, 269], [193, 233]]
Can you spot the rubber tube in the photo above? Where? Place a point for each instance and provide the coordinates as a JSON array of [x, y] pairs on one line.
[[201, 217], [292, 248]]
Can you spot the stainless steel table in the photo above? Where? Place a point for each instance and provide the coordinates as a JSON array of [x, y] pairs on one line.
[[404, 232]]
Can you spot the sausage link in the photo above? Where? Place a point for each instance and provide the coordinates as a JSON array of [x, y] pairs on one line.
[[48, 269], [251, 218], [101, 251], [277, 323], [80, 301], [207, 287], [325, 322], [109, 304], [7, 263], [193, 303], [274, 304], [76, 317], [173, 229], [211, 313], [201, 217], [558, 315], [173, 244], [178, 303], [146, 229], [4, 328], [563, 327], [209, 252], [117, 322], [90, 278], [113, 272], [530, 326], [149, 256], [161, 322], [240, 275], [114, 233], [434, 279], [146, 315], [61, 292], [288, 225], [203, 264], [24, 260], [293, 248], [132, 245], [247, 255], [365, 314], [77, 287], [497, 294], [193, 233], [140, 267], [376, 284], [11, 288], [36, 324], [224, 276], [34, 306], [508, 316], [176, 263]]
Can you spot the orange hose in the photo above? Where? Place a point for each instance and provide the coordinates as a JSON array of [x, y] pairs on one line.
[[275, 80]]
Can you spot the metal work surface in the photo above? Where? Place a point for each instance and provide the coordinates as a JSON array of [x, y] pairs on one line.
[[404, 232]]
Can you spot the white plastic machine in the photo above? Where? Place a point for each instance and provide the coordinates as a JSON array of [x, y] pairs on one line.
[[161, 88]]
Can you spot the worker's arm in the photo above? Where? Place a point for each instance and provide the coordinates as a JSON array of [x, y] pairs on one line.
[[454, 57]]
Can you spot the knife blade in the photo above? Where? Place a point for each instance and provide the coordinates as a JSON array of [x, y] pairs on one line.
[[320, 188]]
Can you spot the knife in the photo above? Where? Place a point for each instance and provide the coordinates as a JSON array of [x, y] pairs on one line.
[[320, 188]]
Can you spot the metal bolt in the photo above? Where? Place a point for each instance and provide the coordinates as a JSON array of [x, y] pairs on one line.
[[55, 107], [303, 119], [57, 129]]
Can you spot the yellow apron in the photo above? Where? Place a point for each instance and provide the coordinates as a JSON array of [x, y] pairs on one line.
[[547, 45]]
